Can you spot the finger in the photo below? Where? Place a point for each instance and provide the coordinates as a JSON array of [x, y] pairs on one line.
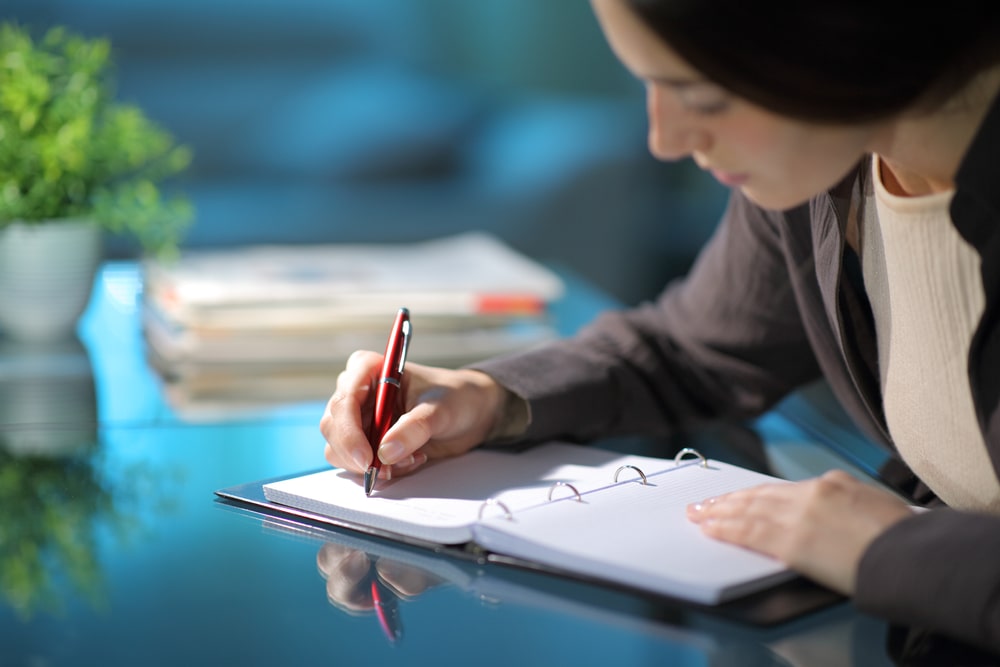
[[329, 557], [405, 580], [354, 601], [342, 424], [761, 500], [343, 583], [405, 467], [789, 500], [777, 519], [334, 560], [410, 432], [761, 519], [756, 533], [357, 458]]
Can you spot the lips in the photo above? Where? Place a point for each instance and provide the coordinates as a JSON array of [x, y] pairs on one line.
[[729, 178]]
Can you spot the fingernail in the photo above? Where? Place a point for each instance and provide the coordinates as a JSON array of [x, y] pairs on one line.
[[390, 452], [361, 460], [695, 508]]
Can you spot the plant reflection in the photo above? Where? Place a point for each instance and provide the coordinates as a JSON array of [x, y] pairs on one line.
[[54, 490], [51, 533]]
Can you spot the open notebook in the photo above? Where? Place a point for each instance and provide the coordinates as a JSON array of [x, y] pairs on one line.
[[579, 510]]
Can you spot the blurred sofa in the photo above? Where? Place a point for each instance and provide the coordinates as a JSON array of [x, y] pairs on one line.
[[394, 120]]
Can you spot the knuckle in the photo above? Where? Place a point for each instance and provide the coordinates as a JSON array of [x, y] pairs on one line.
[[359, 358], [342, 402], [338, 399], [746, 502], [840, 476], [744, 532], [326, 427], [837, 477], [734, 504], [825, 486]]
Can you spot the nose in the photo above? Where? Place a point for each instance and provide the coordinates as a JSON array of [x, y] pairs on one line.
[[673, 133]]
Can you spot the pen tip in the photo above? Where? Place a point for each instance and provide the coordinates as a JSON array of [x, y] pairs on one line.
[[370, 476]]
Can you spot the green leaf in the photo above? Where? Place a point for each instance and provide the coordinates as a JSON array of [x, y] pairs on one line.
[[68, 149]]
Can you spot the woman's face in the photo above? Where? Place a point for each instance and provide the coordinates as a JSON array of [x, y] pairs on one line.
[[776, 161]]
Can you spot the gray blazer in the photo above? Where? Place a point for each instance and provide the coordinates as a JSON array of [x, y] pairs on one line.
[[770, 305]]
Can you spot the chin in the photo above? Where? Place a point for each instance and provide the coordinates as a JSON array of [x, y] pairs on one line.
[[775, 201]]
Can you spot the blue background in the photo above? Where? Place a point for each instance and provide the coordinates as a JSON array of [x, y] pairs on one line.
[[378, 120]]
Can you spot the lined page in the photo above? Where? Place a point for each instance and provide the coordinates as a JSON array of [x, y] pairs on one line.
[[639, 535]]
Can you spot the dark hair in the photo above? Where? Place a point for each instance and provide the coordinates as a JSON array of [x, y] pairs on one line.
[[831, 60]]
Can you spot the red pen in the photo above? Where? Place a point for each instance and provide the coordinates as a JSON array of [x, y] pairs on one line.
[[387, 610], [388, 387]]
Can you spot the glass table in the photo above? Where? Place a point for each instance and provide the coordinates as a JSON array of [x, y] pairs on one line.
[[115, 551]]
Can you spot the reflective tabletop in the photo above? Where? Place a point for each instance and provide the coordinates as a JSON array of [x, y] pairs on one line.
[[114, 549]]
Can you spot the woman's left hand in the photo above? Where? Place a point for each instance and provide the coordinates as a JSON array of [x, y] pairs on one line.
[[819, 527]]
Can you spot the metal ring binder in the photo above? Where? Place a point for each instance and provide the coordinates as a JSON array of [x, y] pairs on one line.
[[568, 485], [641, 473], [498, 503], [688, 450]]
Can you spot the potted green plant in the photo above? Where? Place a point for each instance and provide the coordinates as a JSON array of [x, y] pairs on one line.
[[74, 163]]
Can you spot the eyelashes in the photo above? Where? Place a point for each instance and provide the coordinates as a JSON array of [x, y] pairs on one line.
[[705, 99], [698, 97]]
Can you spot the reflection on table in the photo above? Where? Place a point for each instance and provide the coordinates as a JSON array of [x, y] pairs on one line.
[[352, 565]]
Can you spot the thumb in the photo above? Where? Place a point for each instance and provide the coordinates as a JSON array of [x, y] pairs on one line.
[[410, 432]]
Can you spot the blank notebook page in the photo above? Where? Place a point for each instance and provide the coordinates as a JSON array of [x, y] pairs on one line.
[[640, 533], [440, 502]]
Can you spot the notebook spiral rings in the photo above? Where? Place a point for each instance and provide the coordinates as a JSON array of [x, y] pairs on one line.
[[499, 503], [556, 485], [678, 459], [642, 475], [690, 450]]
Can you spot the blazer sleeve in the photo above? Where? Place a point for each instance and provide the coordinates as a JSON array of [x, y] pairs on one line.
[[725, 342], [939, 570]]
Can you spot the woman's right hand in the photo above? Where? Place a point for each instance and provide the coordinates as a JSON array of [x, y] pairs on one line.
[[442, 413]]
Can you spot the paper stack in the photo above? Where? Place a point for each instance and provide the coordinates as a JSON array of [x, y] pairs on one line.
[[266, 323]]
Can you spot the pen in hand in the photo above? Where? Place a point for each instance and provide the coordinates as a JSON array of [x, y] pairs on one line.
[[388, 388]]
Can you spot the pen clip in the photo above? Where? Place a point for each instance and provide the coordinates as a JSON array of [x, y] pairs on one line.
[[407, 330]]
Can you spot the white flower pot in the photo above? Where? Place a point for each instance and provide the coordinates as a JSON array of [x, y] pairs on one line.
[[46, 277]]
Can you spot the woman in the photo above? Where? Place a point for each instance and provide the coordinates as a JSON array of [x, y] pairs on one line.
[[861, 244]]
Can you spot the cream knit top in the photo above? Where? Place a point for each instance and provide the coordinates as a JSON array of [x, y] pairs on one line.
[[926, 292]]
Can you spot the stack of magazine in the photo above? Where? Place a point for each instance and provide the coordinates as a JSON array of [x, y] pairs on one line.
[[265, 324]]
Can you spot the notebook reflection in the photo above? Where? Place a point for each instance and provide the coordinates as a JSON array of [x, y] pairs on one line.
[[359, 570]]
